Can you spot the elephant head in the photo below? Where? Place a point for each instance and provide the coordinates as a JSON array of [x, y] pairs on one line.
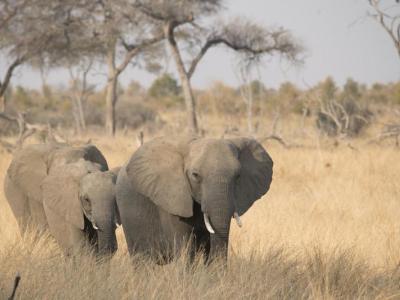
[[97, 197], [80, 190], [224, 176]]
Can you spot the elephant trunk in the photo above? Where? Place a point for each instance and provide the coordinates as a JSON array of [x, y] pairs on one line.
[[106, 239], [218, 209]]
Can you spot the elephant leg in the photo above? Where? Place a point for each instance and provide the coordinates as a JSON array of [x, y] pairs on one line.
[[140, 219], [177, 235], [18, 203]]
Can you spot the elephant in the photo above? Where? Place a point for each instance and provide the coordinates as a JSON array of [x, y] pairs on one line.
[[67, 190], [80, 207], [176, 190]]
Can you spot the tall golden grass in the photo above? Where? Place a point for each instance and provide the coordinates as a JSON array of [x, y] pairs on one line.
[[329, 228]]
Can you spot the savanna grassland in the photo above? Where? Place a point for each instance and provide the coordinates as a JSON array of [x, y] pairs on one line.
[[329, 228]]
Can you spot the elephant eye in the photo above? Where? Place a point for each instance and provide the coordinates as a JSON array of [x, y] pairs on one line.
[[196, 176]]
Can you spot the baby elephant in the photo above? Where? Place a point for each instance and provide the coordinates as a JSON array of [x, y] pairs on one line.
[[80, 207]]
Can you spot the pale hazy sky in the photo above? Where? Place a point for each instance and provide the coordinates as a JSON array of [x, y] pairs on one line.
[[339, 39]]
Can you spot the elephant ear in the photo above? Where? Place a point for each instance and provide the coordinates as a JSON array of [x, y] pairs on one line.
[[68, 155], [156, 170], [256, 173], [61, 194], [93, 154]]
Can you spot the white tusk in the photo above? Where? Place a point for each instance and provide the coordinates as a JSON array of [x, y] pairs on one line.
[[237, 218], [94, 226], [208, 225]]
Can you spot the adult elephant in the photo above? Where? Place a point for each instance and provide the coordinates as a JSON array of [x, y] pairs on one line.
[[44, 185], [175, 188]]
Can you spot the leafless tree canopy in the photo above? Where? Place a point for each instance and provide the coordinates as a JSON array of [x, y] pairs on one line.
[[388, 15], [189, 39]]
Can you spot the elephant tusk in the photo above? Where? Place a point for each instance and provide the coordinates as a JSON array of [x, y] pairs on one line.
[[94, 226], [208, 225], [237, 218]]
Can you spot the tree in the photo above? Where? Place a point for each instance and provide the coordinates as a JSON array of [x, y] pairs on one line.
[[389, 18], [24, 35], [124, 35], [328, 89], [80, 90], [182, 24], [164, 86]]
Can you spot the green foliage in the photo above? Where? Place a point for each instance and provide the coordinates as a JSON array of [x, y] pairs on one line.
[[351, 91], [328, 89], [164, 86]]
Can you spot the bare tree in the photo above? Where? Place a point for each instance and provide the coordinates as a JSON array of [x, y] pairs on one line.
[[388, 16], [80, 90], [122, 34], [249, 89], [31, 30], [182, 21]]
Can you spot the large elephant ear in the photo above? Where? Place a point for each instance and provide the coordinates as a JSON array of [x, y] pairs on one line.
[[256, 173], [61, 194], [156, 170]]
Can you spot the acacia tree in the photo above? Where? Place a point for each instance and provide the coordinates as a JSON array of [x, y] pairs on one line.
[[120, 34], [23, 35], [189, 39], [389, 18]]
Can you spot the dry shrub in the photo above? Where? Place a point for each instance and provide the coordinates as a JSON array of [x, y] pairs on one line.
[[134, 115], [348, 118]]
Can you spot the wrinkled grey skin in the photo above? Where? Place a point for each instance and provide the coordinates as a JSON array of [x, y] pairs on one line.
[[51, 186], [169, 183]]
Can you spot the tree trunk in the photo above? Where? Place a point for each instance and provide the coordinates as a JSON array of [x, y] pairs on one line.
[[190, 104], [111, 95], [76, 116], [250, 112], [81, 113], [3, 103], [190, 101]]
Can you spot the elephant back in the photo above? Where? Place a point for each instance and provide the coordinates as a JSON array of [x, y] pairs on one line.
[[29, 167], [69, 155]]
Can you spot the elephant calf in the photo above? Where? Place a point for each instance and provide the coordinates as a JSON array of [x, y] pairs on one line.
[[79, 203], [67, 190], [177, 188]]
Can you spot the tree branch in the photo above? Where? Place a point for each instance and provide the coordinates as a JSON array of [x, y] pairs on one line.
[[136, 49], [7, 77]]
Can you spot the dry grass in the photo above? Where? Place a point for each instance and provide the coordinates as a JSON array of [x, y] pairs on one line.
[[329, 228]]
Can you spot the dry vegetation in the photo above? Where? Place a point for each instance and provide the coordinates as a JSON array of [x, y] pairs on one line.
[[329, 228]]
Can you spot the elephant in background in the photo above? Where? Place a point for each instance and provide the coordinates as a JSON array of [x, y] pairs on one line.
[[180, 189], [53, 186]]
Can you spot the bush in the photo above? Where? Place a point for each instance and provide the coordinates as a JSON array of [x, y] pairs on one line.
[[347, 118], [133, 115]]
